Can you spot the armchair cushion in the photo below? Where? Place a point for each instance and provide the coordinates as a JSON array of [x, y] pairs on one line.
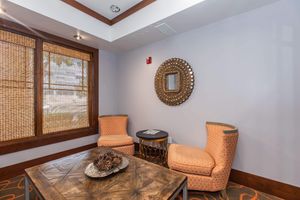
[[191, 160], [115, 140]]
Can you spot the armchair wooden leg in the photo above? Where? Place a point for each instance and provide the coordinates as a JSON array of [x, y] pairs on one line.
[[224, 194]]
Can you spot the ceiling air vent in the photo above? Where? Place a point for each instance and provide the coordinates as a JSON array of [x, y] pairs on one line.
[[165, 29]]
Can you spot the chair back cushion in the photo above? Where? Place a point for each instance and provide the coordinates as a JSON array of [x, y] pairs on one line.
[[113, 125], [221, 143]]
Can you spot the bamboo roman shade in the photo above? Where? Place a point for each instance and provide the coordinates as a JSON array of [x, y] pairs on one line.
[[17, 39], [47, 89], [53, 48], [16, 86], [65, 96]]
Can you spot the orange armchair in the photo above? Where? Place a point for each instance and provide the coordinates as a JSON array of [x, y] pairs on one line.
[[207, 169], [113, 133]]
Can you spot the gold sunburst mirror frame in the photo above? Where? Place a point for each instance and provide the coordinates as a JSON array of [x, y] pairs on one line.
[[174, 81]]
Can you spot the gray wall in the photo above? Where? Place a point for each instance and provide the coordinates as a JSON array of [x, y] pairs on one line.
[[107, 101], [108, 86], [247, 74]]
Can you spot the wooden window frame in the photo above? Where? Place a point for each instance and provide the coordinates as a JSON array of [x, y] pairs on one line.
[[93, 95]]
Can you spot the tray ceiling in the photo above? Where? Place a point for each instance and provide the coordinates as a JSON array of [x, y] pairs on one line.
[[103, 6], [101, 10], [153, 23]]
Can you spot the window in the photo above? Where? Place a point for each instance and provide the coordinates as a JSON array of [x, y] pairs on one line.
[[65, 96], [48, 89]]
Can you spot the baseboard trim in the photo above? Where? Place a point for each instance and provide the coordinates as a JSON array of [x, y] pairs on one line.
[[17, 169], [136, 147], [259, 183], [262, 184]]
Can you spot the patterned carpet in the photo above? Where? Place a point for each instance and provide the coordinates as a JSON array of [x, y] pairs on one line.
[[13, 189]]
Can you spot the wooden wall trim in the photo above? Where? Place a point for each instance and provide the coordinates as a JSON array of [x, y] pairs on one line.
[[87, 11], [102, 18], [38, 87], [131, 10], [262, 184], [268, 186], [37, 141], [17, 169], [136, 147], [259, 183]]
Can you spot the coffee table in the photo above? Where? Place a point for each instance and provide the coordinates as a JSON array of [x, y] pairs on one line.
[[65, 179]]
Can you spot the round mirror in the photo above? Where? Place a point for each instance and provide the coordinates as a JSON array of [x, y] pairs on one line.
[[174, 81]]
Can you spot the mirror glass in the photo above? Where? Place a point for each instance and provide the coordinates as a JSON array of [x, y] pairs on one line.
[[172, 82]]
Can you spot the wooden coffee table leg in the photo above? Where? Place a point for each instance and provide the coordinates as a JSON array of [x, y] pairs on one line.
[[26, 188]]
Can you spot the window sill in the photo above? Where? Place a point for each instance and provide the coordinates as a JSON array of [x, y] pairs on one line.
[[37, 141]]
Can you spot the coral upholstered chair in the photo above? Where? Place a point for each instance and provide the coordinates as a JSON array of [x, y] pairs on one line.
[[207, 169], [113, 133]]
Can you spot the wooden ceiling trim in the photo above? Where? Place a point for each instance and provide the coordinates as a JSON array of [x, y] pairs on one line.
[[131, 10], [88, 11], [103, 19]]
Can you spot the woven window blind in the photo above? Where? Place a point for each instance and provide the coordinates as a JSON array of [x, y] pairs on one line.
[[65, 93], [16, 86], [53, 48]]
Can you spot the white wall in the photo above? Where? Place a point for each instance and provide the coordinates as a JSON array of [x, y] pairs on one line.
[[247, 74], [30, 154], [108, 87], [107, 70]]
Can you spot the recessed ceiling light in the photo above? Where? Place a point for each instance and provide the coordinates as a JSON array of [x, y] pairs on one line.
[[115, 8], [77, 36]]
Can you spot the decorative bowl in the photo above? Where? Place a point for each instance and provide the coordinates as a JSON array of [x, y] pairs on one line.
[[92, 171]]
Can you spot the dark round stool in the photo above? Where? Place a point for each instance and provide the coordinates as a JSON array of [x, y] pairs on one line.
[[153, 147]]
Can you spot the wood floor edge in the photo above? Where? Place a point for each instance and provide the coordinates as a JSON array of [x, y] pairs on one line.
[[17, 169], [265, 185]]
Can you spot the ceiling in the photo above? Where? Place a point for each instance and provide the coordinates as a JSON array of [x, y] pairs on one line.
[[103, 7], [103, 11], [136, 30]]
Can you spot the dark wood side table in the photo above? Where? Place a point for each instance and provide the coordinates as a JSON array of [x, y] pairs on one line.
[[154, 147]]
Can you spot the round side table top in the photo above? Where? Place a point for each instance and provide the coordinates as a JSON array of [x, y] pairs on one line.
[[159, 135]]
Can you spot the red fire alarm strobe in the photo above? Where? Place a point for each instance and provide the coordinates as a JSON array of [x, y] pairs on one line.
[[149, 60]]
